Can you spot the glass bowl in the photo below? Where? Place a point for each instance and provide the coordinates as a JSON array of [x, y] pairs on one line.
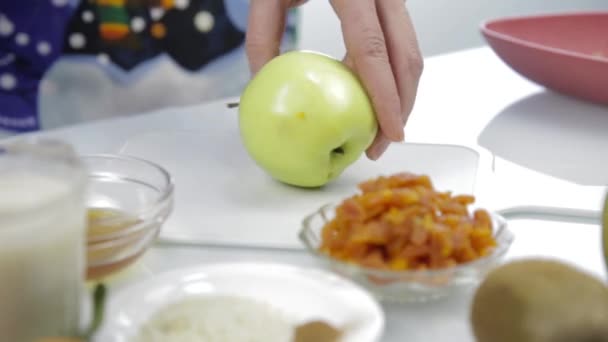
[[406, 286], [128, 201]]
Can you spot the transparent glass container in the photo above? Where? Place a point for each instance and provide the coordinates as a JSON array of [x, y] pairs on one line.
[[42, 235], [128, 199], [406, 286]]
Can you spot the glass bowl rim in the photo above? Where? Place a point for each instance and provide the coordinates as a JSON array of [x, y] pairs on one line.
[[164, 199], [499, 251]]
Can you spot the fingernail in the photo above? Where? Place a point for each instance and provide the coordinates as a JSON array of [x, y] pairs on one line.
[[377, 150], [401, 135], [397, 135]]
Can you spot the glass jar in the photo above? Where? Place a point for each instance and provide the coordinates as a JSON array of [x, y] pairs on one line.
[[42, 240]]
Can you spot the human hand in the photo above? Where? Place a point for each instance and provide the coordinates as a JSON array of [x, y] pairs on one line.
[[381, 48]]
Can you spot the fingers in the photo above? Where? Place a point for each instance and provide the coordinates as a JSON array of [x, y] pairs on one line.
[[381, 142], [296, 3], [405, 56], [378, 147], [265, 28], [367, 48]]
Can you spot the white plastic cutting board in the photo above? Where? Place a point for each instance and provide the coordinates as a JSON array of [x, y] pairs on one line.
[[223, 198]]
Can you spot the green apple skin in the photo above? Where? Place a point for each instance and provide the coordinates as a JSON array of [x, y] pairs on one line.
[[305, 117]]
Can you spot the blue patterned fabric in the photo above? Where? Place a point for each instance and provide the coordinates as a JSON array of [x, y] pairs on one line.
[[123, 38]]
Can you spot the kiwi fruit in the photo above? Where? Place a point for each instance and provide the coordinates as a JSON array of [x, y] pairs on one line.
[[540, 300]]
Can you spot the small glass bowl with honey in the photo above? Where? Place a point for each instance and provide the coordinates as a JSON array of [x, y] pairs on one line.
[[128, 201]]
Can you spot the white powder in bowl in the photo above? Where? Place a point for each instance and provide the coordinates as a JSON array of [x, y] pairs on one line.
[[217, 319]]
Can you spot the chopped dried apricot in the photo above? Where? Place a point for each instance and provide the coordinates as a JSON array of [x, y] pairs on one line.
[[401, 222]]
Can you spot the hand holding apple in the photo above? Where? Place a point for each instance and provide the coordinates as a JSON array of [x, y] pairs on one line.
[[305, 117], [381, 47]]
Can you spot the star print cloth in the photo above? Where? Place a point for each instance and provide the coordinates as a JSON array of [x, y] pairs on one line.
[[67, 61], [28, 46]]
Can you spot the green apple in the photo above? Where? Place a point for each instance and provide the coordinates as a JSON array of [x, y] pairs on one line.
[[305, 117]]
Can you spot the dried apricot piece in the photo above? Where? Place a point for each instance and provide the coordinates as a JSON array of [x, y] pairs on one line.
[[401, 222]]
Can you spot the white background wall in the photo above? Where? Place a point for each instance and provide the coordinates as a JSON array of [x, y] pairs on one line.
[[442, 25]]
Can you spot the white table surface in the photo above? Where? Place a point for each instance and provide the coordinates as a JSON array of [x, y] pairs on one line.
[[536, 148]]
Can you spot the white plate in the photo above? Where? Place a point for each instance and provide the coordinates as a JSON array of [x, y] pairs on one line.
[[303, 294], [223, 198]]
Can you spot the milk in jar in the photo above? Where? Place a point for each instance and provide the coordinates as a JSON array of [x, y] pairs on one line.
[[42, 245]]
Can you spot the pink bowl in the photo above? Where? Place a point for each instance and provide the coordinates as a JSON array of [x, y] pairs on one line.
[[567, 53]]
